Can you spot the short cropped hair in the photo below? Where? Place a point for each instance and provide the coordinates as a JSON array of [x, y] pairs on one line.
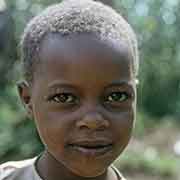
[[75, 17]]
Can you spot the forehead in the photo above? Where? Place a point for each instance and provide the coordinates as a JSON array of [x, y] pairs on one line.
[[54, 45], [85, 55]]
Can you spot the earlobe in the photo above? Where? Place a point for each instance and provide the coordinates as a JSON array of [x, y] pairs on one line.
[[25, 95]]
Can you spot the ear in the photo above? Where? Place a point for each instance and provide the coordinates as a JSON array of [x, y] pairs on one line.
[[25, 95]]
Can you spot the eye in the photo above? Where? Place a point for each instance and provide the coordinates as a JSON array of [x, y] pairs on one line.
[[117, 97], [64, 98]]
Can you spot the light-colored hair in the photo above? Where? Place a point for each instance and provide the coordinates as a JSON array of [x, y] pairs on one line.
[[74, 17]]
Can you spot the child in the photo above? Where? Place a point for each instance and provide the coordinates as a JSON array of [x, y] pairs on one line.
[[80, 66]]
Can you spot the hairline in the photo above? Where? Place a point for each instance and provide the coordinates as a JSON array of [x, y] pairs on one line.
[[37, 30], [96, 36]]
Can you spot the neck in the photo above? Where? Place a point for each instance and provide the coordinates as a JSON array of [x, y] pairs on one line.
[[50, 169]]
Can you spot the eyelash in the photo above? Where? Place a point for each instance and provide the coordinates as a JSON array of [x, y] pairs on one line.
[[117, 97], [69, 98], [63, 98]]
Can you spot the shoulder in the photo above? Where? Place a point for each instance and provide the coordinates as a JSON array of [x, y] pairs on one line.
[[119, 175], [16, 170]]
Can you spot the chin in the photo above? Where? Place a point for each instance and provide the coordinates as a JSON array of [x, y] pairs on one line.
[[88, 173]]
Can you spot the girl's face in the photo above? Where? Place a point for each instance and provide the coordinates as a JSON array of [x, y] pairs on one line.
[[83, 100]]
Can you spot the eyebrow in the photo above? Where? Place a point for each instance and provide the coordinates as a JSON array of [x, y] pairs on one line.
[[57, 84], [65, 84], [121, 83]]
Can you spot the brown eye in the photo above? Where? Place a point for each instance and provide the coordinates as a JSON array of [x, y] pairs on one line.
[[64, 98], [117, 97]]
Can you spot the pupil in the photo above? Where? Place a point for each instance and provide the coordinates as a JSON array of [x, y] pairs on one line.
[[116, 96], [63, 98]]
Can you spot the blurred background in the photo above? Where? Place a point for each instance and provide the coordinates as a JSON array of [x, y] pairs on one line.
[[154, 152]]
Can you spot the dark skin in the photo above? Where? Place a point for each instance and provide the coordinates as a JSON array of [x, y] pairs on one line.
[[83, 100]]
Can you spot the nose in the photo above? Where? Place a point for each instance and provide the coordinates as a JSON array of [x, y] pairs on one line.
[[93, 121]]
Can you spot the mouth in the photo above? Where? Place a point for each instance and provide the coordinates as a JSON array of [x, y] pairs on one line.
[[90, 148]]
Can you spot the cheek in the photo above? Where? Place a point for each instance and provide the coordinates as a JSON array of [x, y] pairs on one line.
[[53, 128], [122, 126]]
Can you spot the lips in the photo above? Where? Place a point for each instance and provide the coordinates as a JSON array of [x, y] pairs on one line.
[[91, 148]]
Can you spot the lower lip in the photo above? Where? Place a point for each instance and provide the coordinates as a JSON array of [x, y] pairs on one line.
[[92, 151]]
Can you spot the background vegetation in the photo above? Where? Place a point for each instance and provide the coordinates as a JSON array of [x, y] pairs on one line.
[[157, 23]]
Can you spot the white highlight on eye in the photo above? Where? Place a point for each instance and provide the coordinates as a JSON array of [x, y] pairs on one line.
[[117, 96], [64, 98]]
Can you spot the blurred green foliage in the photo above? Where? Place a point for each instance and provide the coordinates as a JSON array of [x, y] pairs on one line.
[[162, 165], [157, 24]]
